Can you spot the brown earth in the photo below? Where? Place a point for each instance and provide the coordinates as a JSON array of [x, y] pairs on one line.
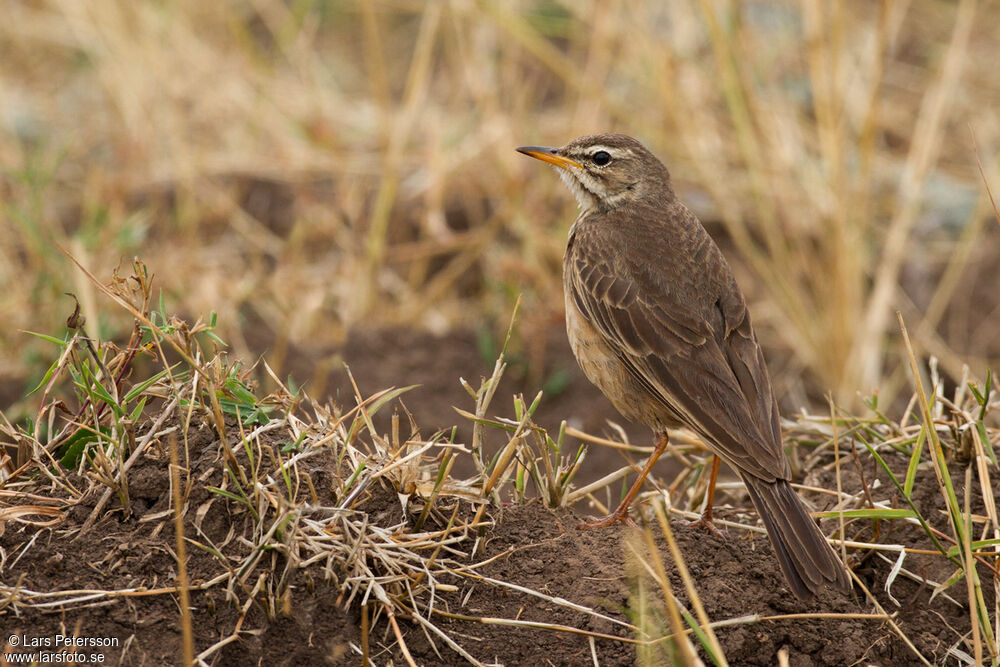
[[534, 547]]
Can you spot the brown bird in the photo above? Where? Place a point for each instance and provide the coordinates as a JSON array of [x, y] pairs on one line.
[[658, 323]]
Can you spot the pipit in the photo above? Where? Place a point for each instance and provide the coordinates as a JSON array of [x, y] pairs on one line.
[[658, 323]]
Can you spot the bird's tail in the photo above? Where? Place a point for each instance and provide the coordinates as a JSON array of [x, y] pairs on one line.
[[806, 559]]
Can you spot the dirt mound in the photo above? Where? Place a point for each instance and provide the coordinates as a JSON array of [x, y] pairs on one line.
[[312, 533], [525, 587]]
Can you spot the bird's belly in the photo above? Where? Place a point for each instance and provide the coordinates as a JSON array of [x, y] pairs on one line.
[[608, 374]]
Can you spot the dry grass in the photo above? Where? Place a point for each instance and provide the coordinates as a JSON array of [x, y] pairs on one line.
[[396, 571], [316, 165]]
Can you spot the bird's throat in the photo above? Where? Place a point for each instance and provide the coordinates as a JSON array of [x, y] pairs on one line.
[[587, 199]]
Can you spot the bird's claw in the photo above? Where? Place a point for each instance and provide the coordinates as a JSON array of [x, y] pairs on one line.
[[705, 522], [609, 520]]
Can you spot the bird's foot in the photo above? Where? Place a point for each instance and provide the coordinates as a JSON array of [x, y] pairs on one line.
[[705, 522], [617, 516]]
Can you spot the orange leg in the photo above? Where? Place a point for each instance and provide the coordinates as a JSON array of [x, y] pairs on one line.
[[621, 514], [706, 515]]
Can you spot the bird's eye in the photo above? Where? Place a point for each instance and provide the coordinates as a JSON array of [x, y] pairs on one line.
[[601, 158]]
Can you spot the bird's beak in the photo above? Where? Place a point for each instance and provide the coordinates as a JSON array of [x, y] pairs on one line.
[[548, 155]]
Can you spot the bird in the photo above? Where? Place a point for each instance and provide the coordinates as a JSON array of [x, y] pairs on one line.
[[658, 323]]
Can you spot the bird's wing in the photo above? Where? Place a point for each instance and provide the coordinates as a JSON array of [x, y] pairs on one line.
[[708, 371]]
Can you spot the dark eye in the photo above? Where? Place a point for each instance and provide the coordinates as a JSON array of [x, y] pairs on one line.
[[601, 158]]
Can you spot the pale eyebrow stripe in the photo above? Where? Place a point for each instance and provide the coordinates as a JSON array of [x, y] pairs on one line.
[[615, 152]]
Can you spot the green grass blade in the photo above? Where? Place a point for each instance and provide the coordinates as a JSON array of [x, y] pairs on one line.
[[911, 470], [923, 522], [870, 513]]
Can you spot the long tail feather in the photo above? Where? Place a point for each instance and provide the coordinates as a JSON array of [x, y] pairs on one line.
[[808, 562]]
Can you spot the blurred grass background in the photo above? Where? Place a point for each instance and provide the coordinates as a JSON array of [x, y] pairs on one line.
[[309, 168]]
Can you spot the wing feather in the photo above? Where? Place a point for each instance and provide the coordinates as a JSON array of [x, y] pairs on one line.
[[701, 364]]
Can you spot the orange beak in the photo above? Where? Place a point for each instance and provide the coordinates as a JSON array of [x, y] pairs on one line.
[[548, 155]]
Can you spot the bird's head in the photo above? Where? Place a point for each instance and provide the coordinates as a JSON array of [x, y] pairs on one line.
[[606, 171]]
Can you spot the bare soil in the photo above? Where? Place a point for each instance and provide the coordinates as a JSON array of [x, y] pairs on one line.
[[531, 545]]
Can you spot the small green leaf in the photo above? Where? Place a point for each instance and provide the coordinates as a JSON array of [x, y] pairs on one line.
[[71, 450], [241, 393], [101, 391], [134, 415], [976, 546], [980, 399], [911, 470], [226, 494], [985, 439], [45, 379], [61, 342], [353, 478], [294, 446], [213, 336], [146, 384]]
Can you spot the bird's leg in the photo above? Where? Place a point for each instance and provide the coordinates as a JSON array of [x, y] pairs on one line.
[[621, 514], [706, 516]]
